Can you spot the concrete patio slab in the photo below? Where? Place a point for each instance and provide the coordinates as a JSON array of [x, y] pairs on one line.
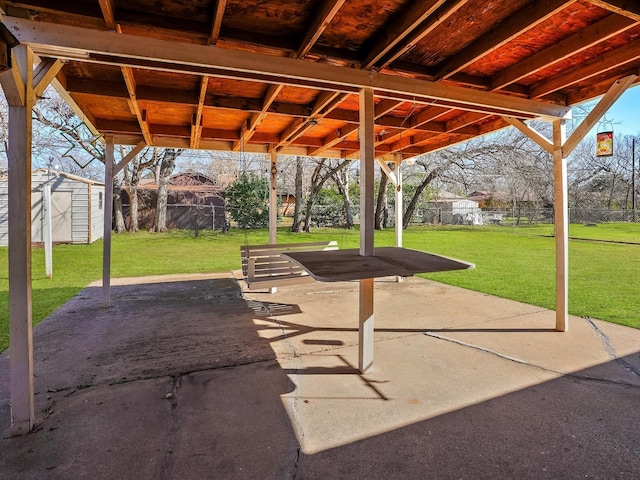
[[189, 377]]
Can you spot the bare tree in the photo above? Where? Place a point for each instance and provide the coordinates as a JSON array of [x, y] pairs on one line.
[[381, 213], [341, 179], [325, 169], [297, 211], [163, 171]]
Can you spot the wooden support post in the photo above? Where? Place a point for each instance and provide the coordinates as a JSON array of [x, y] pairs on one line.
[[562, 226], [46, 230], [273, 199], [367, 165], [20, 81], [273, 204], [108, 219], [398, 208]]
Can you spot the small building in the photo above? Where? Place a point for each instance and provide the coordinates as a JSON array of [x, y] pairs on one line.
[[77, 208], [194, 201], [452, 209]]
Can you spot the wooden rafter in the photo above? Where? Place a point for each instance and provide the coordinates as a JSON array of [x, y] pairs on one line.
[[141, 115], [628, 8], [340, 134], [598, 32], [196, 124], [521, 21], [324, 16], [108, 13], [256, 119], [322, 19], [325, 103], [588, 69], [414, 35], [216, 23], [399, 28]]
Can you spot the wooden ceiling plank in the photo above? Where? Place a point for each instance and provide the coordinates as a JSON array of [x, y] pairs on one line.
[[321, 20], [64, 41], [216, 23], [592, 35], [130, 81], [412, 37], [594, 91], [628, 8], [108, 13], [398, 28], [595, 66], [524, 19]]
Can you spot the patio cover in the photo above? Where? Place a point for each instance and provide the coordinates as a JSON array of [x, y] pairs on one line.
[[366, 79]]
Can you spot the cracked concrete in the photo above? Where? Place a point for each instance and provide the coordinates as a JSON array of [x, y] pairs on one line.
[[186, 378]]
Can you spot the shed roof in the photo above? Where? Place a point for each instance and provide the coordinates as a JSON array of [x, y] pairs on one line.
[[259, 75]]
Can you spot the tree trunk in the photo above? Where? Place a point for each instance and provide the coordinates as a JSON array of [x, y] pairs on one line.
[[408, 213], [297, 211], [117, 207], [318, 179], [167, 165], [134, 221], [342, 181], [381, 205]]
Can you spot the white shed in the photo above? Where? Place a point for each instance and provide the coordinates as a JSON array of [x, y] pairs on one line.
[[77, 207], [453, 209]]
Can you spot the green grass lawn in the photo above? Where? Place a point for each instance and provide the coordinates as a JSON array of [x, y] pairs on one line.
[[603, 279]]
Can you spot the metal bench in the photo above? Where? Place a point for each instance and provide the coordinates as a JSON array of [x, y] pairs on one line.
[[263, 266]]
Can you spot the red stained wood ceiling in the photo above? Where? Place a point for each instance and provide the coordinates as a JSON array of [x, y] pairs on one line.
[[556, 52]]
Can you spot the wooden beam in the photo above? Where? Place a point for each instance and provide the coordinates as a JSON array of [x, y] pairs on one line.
[[591, 68], [105, 47], [324, 103], [594, 116], [561, 214], [533, 135], [44, 73], [524, 19], [129, 79], [413, 35], [576, 43], [128, 157], [196, 126], [391, 175], [216, 23], [321, 20], [628, 8], [256, 119], [108, 13], [340, 134], [398, 28], [12, 83]]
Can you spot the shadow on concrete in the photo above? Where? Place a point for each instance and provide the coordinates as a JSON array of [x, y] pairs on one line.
[[179, 380]]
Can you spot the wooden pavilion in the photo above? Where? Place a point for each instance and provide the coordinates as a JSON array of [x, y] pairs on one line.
[[374, 80]]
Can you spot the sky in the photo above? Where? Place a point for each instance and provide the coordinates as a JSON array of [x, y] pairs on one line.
[[625, 113]]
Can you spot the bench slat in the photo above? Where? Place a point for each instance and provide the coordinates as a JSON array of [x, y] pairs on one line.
[[264, 267]]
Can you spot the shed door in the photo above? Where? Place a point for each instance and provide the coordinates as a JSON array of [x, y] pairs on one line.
[[61, 216]]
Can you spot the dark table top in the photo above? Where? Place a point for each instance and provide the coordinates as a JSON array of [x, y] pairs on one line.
[[345, 265]]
